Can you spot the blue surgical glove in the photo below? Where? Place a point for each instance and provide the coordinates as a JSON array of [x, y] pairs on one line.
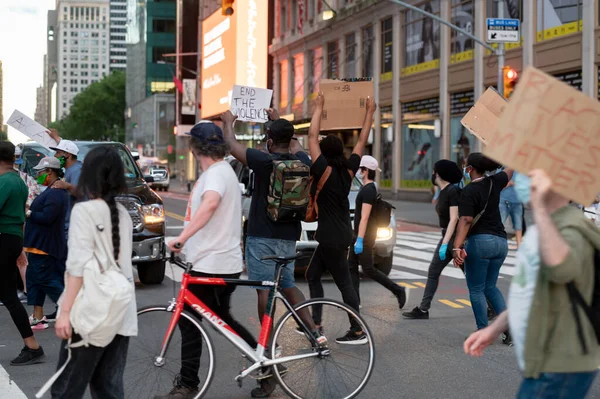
[[358, 246], [443, 250]]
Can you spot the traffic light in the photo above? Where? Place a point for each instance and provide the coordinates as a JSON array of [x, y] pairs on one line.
[[227, 7], [511, 78]]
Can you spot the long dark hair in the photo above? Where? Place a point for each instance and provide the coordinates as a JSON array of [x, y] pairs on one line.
[[332, 149], [481, 163], [103, 176]]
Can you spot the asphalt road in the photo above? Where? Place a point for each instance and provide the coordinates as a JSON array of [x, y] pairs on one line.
[[414, 358]]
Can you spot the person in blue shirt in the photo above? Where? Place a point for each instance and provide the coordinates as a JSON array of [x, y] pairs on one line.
[[510, 206]]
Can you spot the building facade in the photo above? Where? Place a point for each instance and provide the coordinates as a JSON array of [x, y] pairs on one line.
[[118, 35], [40, 106], [51, 68], [83, 47], [426, 76]]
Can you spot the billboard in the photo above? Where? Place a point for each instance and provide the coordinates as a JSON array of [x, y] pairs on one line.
[[234, 51]]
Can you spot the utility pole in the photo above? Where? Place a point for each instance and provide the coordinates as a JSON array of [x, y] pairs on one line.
[[499, 52]]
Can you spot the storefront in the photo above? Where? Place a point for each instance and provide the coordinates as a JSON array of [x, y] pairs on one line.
[[387, 148], [461, 141]]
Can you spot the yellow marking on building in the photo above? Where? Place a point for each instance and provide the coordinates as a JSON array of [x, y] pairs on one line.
[[406, 285], [450, 303], [464, 302]]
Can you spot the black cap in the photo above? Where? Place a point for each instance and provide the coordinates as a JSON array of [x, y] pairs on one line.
[[281, 131], [208, 132], [448, 171]]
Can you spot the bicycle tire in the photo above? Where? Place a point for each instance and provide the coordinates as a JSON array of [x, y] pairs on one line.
[[148, 384], [280, 339]]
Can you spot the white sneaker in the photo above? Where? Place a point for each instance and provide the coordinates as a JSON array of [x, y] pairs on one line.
[[33, 321]]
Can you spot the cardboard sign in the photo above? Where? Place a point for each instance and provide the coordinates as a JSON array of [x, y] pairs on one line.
[[31, 129], [482, 119], [249, 104], [345, 103], [551, 126]]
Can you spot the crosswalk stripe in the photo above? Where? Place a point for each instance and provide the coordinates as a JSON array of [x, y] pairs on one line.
[[449, 271], [450, 303], [464, 301], [419, 284], [405, 285], [8, 388]]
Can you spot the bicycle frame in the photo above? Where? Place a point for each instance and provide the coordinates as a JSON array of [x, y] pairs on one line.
[[257, 356]]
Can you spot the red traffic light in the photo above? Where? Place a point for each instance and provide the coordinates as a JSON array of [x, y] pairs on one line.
[[511, 74]]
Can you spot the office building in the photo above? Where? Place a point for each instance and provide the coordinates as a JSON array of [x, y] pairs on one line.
[[83, 47], [118, 34], [51, 68], [40, 107]]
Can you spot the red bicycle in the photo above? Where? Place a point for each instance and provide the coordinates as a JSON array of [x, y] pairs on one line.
[[312, 370]]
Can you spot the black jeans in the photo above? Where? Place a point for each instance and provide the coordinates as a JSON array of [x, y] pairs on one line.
[[10, 249], [365, 259], [100, 368], [217, 299], [435, 270], [336, 261]]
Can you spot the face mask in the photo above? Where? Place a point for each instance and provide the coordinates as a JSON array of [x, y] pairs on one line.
[[63, 161], [523, 188], [42, 179], [360, 175], [433, 179], [466, 174]]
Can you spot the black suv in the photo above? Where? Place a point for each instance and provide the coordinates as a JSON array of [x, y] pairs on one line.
[[144, 205]]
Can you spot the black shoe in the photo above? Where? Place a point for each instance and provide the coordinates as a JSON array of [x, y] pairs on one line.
[[352, 338], [490, 313], [507, 339], [401, 296], [265, 388], [417, 313], [28, 356]]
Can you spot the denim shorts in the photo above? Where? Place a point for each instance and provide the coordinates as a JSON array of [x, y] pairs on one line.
[[264, 270], [515, 211]]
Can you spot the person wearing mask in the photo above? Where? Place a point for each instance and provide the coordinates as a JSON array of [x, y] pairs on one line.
[[45, 242], [446, 175], [66, 152], [557, 351], [510, 206], [13, 196], [102, 231], [334, 230], [480, 242], [365, 231], [266, 237]]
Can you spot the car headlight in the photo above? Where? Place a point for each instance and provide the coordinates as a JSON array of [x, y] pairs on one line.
[[384, 233], [153, 214]]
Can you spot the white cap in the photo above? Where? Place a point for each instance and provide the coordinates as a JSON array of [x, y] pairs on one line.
[[369, 162], [66, 146]]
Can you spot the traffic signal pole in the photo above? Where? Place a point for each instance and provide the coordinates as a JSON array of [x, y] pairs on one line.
[[499, 52]]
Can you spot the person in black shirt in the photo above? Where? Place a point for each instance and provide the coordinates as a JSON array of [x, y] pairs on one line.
[[446, 176], [365, 231], [334, 231], [480, 239]]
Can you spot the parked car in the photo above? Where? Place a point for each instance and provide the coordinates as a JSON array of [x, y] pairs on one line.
[[386, 235], [144, 205], [161, 178]]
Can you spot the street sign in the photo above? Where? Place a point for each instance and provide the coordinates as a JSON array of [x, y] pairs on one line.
[[503, 30]]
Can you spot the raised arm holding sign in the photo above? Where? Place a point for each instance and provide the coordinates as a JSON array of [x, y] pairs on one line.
[[31, 129]]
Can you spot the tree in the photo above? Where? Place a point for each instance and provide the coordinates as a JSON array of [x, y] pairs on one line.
[[97, 113]]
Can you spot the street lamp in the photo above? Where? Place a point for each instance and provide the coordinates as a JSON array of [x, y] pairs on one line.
[[326, 15]]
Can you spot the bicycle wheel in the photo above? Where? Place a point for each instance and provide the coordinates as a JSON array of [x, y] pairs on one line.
[[341, 374], [146, 375]]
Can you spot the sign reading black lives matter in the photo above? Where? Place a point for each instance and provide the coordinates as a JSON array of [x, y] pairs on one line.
[[249, 104]]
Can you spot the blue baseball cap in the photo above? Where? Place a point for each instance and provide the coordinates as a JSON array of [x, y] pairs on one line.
[[208, 132]]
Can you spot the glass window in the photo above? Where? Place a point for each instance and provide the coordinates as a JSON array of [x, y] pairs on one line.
[[387, 36], [460, 141], [420, 150], [283, 84], [332, 60], [163, 26], [283, 17], [462, 16], [157, 52], [298, 78], [311, 9], [367, 41], [351, 56], [512, 8], [557, 18], [387, 146], [317, 69], [421, 35], [294, 15]]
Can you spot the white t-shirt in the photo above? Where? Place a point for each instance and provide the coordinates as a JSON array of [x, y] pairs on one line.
[[216, 247]]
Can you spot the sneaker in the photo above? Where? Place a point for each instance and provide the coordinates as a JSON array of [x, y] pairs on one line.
[[28, 356], [401, 296], [507, 339], [491, 314], [416, 313], [265, 388], [352, 338], [22, 297], [179, 392], [38, 324]]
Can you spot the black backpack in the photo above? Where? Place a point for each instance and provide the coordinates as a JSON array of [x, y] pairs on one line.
[[592, 311], [381, 212]]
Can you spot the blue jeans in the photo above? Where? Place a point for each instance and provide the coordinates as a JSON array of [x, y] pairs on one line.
[[45, 276], [485, 256], [515, 211], [264, 270], [557, 386]]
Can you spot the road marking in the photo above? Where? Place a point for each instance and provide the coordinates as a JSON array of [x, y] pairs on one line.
[[174, 227], [420, 284], [175, 216], [450, 303], [8, 388], [464, 301], [405, 285]]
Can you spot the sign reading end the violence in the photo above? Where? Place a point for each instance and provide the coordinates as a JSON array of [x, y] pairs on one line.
[[249, 104], [345, 103], [482, 119], [551, 126]]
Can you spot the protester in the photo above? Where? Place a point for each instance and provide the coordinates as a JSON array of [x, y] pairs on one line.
[[45, 242], [13, 196], [365, 230], [334, 230], [480, 241], [446, 176], [510, 206], [211, 240], [101, 234], [556, 349], [266, 237]]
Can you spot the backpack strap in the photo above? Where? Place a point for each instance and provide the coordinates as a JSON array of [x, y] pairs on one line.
[[322, 181], [480, 214], [577, 299]]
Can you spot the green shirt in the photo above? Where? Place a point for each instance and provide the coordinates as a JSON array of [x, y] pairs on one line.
[[13, 196]]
